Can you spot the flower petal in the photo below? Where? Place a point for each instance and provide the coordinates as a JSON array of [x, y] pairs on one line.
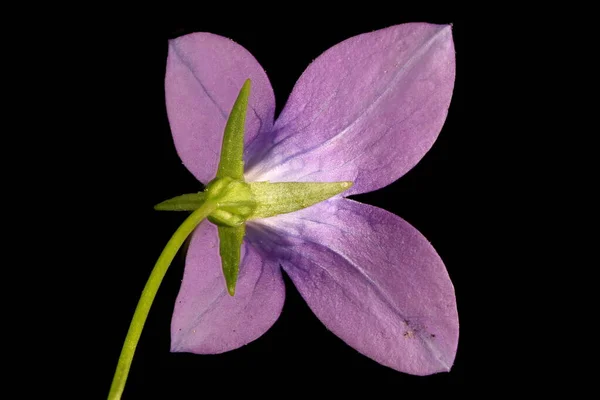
[[374, 281], [204, 75], [206, 319], [367, 110]]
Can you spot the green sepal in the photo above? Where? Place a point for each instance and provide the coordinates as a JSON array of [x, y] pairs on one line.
[[185, 202], [230, 247], [284, 197], [231, 164]]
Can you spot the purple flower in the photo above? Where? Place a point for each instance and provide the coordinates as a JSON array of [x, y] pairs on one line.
[[367, 110]]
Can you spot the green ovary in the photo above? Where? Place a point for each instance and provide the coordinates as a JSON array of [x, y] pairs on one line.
[[234, 200]]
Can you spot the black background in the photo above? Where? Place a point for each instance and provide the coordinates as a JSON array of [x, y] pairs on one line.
[[135, 166]]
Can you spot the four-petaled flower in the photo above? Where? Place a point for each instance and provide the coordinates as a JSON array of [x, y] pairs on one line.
[[366, 111]]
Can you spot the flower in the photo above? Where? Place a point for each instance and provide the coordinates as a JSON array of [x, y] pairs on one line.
[[367, 110]]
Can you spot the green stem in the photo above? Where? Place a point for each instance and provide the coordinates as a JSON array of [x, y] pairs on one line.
[[147, 297]]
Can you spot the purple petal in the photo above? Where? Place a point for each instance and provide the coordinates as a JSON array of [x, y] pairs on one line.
[[204, 75], [206, 319], [373, 280], [367, 110]]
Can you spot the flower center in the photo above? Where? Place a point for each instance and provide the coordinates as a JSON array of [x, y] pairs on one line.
[[234, 200]]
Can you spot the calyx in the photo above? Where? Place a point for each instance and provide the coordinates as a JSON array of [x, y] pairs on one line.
[[234, 201]]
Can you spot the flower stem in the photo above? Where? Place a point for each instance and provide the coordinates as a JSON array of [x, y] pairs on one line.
[[148, 294]]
